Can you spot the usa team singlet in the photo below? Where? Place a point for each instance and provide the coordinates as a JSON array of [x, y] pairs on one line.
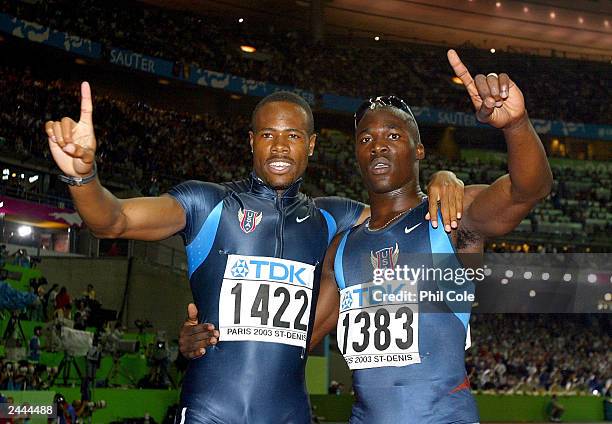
[[254, 261], [406, 352]]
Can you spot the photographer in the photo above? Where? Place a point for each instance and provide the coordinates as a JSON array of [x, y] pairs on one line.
[[81, 316], [94, 356], [158, 357], [66, 414], [35, 345], [84, 410], [21, 258], [4, 254], [49, 301], [7, 377], [63, 303]]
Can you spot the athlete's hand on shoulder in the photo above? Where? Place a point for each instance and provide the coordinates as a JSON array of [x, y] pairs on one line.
[[73, 144], [446, 188], [496, 98], [194, 337]]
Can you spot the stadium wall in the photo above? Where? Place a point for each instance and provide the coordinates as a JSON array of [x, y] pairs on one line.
[[154, 292], [493, 408]]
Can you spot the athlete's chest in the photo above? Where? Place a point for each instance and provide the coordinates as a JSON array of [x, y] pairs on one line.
[[366, 252], [263, 227]]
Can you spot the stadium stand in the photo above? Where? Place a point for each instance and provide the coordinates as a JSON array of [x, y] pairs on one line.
[[157, 147], [419, 73]]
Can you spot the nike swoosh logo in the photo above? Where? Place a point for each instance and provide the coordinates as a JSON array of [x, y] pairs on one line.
[[298, 219], [409, 230]]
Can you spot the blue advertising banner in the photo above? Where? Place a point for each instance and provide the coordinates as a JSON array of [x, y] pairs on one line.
[[428, 115], [141, 62], [40, 34], [241, 85], [164, 68]]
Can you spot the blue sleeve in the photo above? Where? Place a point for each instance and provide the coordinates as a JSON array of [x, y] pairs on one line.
[[197, 199], [345, 212]]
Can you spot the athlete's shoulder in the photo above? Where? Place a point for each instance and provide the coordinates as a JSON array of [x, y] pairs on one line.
[[238, 186], [344, 212], [198, 199], [197, 191]]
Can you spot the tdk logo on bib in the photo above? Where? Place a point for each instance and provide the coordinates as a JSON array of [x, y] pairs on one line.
[[370, 294], [240, 269], [347, 301], [270, 269]]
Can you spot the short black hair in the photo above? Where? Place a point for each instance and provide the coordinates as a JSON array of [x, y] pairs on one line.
[[285, 96]]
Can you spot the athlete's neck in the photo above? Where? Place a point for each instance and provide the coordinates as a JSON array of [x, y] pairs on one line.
[[386, 206]]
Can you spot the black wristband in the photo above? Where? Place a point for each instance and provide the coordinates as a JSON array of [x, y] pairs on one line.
[[79, 181]]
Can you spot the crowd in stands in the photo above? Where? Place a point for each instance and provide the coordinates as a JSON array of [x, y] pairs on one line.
[[137, 144], [351, 67], [539, 353], [153, 149]]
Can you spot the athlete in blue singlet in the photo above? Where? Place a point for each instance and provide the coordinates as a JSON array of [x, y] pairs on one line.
[[255, 249], [404, 335], [254, 261]]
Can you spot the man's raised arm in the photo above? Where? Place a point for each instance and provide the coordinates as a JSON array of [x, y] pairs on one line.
[[497, 209], [73, 146]]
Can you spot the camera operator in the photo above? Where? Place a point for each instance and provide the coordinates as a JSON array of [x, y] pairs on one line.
[[81, 316], [7, 377], [21, 258], [94, 356], [90, 293], [4, 254], [35, 345], [158, 357], [84, 410], [66, 413]]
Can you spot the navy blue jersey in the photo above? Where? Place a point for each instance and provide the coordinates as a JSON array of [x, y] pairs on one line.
[[399, 333], [254, 260]]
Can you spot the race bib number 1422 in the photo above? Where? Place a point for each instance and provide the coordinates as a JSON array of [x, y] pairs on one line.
[[266, 300]]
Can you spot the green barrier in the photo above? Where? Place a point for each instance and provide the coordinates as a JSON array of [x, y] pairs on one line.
[[528, 408], [316, 375], [129, 403], [493, 408], [131, 368], [19, 277], [120, 403]]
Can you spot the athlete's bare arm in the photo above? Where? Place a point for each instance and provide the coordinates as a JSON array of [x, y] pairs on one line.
[[446, 188], [73, 146], [497, 209], [326, 316]]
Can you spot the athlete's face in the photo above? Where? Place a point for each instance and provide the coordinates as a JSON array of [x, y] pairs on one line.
[[386, 151], [281, 143]]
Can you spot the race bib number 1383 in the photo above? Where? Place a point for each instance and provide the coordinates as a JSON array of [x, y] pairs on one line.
[[265, 299], [374, 332]]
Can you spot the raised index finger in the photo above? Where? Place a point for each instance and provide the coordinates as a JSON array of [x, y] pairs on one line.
[[86, 104], [464, 75]]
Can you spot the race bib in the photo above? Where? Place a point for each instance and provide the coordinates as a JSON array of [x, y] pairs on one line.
[[379, 325], [265, 300]]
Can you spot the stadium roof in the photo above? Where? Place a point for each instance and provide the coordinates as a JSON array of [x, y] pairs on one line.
[[579, 28]]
